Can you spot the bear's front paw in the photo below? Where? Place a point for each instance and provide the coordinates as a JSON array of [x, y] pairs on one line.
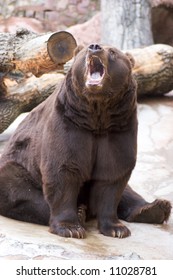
[[115, 230], [68, 230]]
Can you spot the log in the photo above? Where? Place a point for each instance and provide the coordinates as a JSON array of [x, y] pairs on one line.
[[29, 52], [24, 96], [23, 57], [20, 92], [153, 69]]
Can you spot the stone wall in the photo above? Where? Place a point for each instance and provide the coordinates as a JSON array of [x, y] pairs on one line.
[[55, 14]]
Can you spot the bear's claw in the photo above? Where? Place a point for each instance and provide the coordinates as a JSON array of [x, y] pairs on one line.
[[68, 230]]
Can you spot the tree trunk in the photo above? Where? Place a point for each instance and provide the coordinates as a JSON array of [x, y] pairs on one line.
[[126, 24], [153, 69], [24, 96], [38, 54], [21, 55]]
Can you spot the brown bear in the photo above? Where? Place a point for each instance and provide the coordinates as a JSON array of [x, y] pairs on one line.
[[76, 151]]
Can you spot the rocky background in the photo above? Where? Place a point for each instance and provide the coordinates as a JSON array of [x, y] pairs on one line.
[[44, 16], [80, 17]]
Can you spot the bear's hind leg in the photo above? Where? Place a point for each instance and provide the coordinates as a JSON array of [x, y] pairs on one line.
[[20, 197], [134, 208]]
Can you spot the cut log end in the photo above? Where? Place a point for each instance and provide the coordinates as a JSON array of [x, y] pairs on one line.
[[61, 47]]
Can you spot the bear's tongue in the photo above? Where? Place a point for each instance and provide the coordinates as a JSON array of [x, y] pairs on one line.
[[95, 71], [95, 76]]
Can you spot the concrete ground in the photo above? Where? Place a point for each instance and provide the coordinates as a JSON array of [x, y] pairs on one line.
[[152, 178]]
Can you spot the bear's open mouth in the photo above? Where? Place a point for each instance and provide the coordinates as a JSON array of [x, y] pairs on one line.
[[95, 71]]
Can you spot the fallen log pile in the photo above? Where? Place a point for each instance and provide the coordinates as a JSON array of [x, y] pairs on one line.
[[32, 65]]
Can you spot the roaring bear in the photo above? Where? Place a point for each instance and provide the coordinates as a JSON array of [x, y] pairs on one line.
[[75, 152]]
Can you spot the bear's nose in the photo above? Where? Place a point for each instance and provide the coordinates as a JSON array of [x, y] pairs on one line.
[[94, 47]]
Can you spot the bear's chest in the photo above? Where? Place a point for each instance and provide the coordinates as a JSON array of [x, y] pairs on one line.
[[97, 157], [115, 155]]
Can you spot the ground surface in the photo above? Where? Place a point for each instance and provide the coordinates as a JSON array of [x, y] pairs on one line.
[[152, 177]]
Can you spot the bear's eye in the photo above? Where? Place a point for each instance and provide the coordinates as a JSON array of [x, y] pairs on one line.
[[112, 53]]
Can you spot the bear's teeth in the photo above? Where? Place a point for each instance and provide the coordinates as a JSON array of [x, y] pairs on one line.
[[95, 75]]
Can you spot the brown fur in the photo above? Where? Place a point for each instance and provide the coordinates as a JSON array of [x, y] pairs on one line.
[[77, 150]]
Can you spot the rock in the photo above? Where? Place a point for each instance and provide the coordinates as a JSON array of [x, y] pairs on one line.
[[87, 32], [12, 24]]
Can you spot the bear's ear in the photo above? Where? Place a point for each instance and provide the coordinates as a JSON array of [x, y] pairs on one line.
[[130, 57], [78, 49]]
